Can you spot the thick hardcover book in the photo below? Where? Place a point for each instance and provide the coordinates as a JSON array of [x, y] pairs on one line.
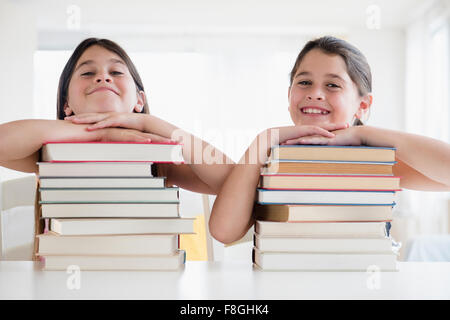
[[108, 195], [329, 182], [334, 153], [290, 213], [322, 229], [95, 169], [102, 182], [328, 167], [155, 244], [324, 245], [324, 261], [116, 262], [121, 226], [326, 197], [110, 210], [112, 151]]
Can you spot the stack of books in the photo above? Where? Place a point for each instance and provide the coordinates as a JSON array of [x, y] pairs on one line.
[[326, 208], [102, 207]]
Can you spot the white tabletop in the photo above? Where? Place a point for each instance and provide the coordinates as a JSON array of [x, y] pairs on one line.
[[225, 280]]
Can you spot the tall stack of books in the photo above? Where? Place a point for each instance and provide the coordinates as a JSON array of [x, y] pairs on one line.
[[102, 207], [326, 208]]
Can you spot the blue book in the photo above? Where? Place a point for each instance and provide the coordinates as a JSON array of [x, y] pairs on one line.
[[326, 197]]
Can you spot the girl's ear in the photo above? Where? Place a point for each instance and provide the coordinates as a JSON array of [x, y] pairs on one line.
[[67, 110], [140, 102], [364, 106]]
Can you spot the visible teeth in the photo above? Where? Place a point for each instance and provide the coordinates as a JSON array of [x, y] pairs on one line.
[[311, 110]]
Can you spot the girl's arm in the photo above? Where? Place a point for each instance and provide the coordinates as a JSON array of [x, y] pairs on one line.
[[423, 162], [231, 215], [205, 167], [21, 140]]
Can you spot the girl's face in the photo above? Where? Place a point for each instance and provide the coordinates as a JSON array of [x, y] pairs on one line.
[[323, 92], [101, 82]]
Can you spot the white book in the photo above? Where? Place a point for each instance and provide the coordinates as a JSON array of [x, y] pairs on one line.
[[112, 151], [322, 229], [288, 261], [157, 244], [324, 245], [108, 263], [109, 195], [121, 226], [101, 182], [110, 210], [95, 169], [326, 197]]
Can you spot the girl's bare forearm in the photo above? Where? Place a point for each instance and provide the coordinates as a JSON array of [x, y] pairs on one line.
[[210, 164], [428, 156], [23, 138], [231, 216]]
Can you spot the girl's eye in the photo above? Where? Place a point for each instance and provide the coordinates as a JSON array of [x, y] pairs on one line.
[[304, 83], [116, 73], [332, 85], [89, 73]]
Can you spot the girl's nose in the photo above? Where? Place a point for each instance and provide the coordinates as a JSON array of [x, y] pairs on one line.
[[315, 94], [103, 77]]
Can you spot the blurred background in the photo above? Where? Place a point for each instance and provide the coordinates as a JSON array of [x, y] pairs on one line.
[[220, 69]]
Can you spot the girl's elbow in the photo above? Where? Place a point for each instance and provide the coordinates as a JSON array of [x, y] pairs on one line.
[[220, 233]]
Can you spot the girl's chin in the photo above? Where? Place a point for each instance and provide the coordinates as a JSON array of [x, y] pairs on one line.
[[309, 121], [102, 108]]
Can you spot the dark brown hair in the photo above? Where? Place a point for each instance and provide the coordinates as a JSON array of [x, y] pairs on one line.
[[67, 72], [357, 66]]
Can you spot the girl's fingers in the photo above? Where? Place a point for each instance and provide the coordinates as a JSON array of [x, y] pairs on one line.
[[110, 122], [314, 140], [308, 140], [313, 130], [335, 126], [141, 138], [156, 138], [324, 130]]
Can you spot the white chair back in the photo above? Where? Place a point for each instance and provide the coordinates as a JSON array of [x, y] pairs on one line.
[[17, 197], [216, 251]]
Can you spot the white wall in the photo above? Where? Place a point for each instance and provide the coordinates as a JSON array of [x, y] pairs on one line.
[[18, 41], [385, 52]]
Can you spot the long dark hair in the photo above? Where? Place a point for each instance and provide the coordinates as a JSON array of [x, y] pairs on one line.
[[357, 66], [67, 72]]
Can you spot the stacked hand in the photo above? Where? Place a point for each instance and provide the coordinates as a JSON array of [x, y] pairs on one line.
[[117, 126], [329, 134]]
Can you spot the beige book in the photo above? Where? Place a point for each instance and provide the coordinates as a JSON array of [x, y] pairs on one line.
[[330, 182], [285, 213], [287, 261], [171, 262], [155, 244], [333, 153]]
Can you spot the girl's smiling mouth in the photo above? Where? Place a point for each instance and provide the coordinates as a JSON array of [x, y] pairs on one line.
[[102, 89], [313, 110]]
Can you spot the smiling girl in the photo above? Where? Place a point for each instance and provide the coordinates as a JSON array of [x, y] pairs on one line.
[[101, 98], [329, 95]]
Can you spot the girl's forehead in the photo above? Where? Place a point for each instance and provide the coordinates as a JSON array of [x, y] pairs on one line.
[[317, 62], [98, 54]]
